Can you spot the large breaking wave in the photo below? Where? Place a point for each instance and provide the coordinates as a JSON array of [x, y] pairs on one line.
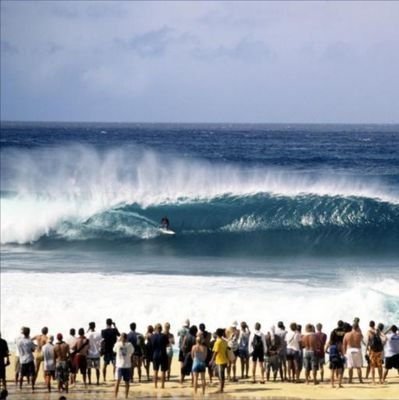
[[80, 194]]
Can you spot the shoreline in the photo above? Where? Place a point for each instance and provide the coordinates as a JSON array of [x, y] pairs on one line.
[[243, 389]]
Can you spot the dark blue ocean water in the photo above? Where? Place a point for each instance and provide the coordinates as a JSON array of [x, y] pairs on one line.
[[301, 218], [229, 190]]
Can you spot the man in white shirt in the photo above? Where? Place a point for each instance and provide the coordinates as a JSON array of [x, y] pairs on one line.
[[93, 355], [391, 350], [124, 351], [25, 350]]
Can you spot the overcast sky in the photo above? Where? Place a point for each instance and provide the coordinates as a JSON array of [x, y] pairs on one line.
[[200, 61]]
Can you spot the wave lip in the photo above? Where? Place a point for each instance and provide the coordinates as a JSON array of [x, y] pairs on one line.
[[233, 225]]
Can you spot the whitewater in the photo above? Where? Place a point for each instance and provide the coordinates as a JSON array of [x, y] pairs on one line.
[[271, 222]]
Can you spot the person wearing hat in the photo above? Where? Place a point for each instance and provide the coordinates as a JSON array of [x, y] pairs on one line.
[[61, 354]]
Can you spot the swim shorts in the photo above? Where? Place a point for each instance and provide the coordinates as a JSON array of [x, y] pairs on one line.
[[123, 373], [198, 366], [354, 357], [392, 362]]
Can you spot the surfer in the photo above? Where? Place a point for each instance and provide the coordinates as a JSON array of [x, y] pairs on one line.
[[165, 223]]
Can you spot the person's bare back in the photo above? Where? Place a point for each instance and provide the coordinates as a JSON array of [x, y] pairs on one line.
[[40, 340], [353, 339], [310, 341], [61, 351]]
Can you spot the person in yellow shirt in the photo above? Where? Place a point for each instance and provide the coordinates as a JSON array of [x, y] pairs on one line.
[[220, 358]]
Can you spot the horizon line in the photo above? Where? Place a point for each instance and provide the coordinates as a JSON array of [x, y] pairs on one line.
[[195, 122]]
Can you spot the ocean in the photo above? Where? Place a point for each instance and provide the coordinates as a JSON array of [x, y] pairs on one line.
[[273, 222]]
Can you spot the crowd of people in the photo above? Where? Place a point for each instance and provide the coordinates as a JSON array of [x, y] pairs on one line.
[[276, 354]]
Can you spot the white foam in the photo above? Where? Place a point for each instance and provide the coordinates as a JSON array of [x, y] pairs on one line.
[[64, 300], [74, 183]]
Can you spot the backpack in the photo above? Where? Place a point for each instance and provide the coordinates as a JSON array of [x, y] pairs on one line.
[[334, 353], [376, 343], [257, 344]]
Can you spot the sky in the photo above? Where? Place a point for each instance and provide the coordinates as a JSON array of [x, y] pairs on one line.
[[271, 62]]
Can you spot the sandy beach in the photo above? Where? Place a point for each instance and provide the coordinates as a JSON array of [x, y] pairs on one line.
[[243, 389]]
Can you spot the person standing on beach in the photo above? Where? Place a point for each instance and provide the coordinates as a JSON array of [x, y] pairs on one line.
[[243, 352], [310, 343], [336, 358], [188, 343], [282, 333], [147, 353], [40, 340], [17, 367], [71, 343], [220, 358], [61, 354], [181, 334], [137, 341], [257, 348], [272, 355], [293, 350], [4, 355], [169, 349], [322, 338], [80, 351], [375, 346], [26, 347], [371, 331], [123, 360], [391, 350], [352, 348], [93, 355], [110, 335], [159, 343], [207, 338], [199, 354], [49, 362], [300, 358], [232, 335]]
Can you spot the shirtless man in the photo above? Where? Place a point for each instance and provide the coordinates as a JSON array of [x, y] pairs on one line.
[[311, 344], [81, 349], [40, 340], [352, 348], [61, 354]]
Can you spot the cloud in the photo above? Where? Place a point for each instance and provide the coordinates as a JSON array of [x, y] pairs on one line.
[[200, 61], [148, 44]]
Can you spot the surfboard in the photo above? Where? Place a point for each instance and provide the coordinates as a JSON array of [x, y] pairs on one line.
[[167, 231]]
